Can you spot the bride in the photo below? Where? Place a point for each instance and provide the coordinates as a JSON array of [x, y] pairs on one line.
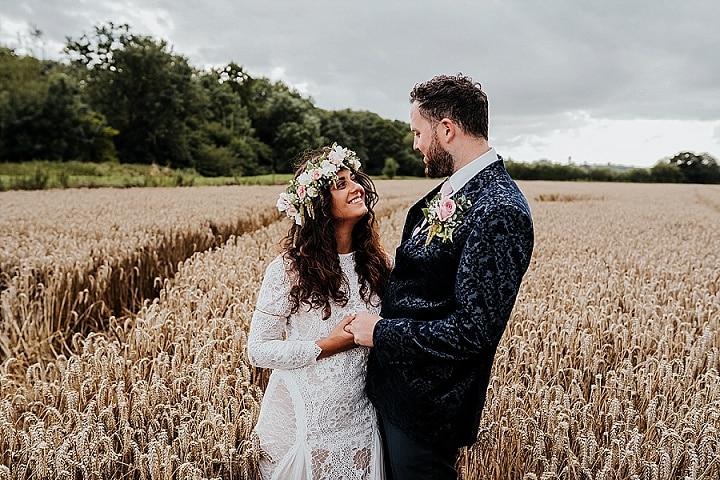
[[315, 421]]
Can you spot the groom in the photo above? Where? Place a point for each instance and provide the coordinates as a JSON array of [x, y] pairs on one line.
[[457, 272]]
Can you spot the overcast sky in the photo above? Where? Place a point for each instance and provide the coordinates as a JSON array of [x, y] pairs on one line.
[[588, 81]]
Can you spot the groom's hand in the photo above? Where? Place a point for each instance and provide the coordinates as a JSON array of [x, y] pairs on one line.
[[338, 340], [362, 328]]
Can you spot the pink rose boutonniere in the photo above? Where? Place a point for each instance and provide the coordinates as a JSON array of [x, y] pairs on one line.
[[443, 215]]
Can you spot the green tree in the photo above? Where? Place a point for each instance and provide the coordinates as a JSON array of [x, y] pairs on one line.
[[383, 139], [637, 175], [696, 168], [130, 97], [42, 115], [410, 161], [666, 172], [374, 139], [223, 140], [284, 120], [144, 90], [391, 167], [602, 174]]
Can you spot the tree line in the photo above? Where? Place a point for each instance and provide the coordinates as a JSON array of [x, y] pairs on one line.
[[684, 167], [119, 96]]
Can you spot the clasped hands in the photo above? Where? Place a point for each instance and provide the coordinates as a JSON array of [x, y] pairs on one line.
[[350, 332], [361, 326]]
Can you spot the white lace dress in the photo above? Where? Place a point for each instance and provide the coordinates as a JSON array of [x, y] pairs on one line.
[[315, 420]]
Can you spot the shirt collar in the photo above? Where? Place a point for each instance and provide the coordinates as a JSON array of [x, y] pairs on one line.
[[461, 177]]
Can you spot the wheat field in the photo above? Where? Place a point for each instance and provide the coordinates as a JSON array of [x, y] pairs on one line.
[[609, 367]]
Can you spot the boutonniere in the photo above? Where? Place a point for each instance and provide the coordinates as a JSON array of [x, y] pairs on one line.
[[443, 214]]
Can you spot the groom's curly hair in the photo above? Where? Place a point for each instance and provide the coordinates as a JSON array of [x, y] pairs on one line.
[[457, 97], [312, 250]]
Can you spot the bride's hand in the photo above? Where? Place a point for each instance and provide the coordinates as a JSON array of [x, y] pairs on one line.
[[338, 340]]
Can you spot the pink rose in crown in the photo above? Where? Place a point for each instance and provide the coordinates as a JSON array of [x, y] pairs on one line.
[[301, 192], [445, 209], [316, 174]]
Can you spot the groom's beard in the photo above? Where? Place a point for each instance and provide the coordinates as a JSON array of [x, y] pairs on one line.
[[439, 162]]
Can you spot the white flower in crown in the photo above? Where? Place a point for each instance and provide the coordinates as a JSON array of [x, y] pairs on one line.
[[304, 178], [327, 168], [296, 200], [283, 202], [337, 154], [354, 163]]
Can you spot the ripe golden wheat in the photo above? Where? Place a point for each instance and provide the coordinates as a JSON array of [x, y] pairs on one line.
[[608, 368], [69, 259]]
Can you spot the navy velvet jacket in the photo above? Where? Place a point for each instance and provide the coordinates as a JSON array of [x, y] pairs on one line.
[[445, 310]]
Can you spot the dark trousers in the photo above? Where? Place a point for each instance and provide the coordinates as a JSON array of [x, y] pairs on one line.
[[409, 459]]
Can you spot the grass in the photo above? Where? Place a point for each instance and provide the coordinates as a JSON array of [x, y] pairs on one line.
[[42, 174]]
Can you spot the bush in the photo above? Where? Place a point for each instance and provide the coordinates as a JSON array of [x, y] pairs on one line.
[[391, 167], [39, 181], [215, 161]]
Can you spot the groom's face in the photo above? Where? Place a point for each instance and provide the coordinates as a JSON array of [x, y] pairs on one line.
[[438, 162]]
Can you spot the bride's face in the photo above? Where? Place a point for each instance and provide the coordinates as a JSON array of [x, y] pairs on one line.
[[348, 198]]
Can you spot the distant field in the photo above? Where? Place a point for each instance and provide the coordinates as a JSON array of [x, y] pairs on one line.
[[609, 367]]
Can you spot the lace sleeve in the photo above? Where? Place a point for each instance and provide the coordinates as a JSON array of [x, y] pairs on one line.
[[267, 347]]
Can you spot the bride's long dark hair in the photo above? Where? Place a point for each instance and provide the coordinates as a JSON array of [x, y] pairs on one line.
[[312, 251]]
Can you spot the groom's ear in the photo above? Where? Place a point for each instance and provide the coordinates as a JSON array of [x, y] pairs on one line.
[[447, 129]]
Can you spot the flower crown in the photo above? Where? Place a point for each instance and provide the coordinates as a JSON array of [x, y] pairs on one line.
[[296, 200]]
